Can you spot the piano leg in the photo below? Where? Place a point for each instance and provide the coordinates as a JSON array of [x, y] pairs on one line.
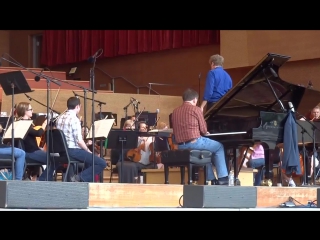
[[182, 174], [166, 174], [235, 168]]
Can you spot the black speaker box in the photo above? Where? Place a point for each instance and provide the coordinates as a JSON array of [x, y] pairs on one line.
[[215, 196], [44, 195]]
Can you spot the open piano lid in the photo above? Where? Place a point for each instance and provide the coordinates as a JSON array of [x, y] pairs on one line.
[[253, 93]]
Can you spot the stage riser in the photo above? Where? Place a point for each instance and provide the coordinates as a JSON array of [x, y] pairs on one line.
[[61, 195], [219, 197], [171, 195], [44, 195]]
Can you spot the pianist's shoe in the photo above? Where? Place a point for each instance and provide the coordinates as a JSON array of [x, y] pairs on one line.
[[291, 183]]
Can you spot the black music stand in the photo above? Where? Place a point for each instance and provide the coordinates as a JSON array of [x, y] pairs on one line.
[[13, 83], [119, 139]]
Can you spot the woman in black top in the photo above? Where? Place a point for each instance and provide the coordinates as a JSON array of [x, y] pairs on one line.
[[24, 112]]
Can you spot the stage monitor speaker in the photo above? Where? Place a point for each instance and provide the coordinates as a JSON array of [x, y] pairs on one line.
[[44, 195], [215, 196]]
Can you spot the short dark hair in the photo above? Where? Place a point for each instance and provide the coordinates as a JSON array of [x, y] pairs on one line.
[[190, 94], [73, 102]]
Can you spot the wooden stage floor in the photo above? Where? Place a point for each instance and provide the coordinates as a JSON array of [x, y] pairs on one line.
[[120, 195]]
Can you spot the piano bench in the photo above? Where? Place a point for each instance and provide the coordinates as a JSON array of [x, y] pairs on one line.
[[185, 158]]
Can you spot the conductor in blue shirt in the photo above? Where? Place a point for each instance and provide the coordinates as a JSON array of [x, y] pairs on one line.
[[218, 82]]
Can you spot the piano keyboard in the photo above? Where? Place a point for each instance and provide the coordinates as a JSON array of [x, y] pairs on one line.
[[226, 133]]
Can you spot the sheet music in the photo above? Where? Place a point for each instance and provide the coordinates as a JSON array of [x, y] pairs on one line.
[[102, 128], [20, 129], [227, 133]]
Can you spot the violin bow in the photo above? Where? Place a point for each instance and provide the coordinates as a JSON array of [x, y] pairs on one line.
[[55, 99]]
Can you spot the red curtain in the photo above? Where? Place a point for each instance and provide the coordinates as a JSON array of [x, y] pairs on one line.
[[71, 46]]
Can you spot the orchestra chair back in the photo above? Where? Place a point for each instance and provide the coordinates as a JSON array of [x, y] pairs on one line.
[[58, 150], [29, 162]]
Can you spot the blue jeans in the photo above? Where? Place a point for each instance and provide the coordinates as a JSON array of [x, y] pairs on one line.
[[41, 157], [20, 157], [86, 157], [217, 158], [257, 163]]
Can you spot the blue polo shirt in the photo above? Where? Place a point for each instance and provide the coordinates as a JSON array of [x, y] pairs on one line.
[[218, 83]]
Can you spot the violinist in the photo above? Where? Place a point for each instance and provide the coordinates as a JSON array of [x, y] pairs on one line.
[[85, 131], [24, 112], [314, 115], [144, 162], [129, 125]]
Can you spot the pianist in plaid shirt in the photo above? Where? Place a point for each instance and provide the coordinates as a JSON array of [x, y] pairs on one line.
[[70, 124], [189, 127]]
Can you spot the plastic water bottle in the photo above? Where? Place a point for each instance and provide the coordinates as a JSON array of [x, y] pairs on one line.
[[231, 178]]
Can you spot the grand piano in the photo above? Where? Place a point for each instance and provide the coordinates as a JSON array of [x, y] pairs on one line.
[[255, 109]]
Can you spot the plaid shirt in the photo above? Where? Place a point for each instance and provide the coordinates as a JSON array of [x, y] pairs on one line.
[[70, 125], [188, 123]]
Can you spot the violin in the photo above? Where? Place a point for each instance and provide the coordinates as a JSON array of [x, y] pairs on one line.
[[154, 155], [97, 148], [135, 154]]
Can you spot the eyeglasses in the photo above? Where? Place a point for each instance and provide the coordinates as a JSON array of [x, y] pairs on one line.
[[30, 109]]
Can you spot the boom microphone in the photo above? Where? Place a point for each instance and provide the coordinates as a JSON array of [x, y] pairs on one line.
[[37, 78], [92, 58]]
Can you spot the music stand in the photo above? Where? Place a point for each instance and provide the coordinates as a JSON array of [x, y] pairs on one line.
[[13, 83], [120, 139]]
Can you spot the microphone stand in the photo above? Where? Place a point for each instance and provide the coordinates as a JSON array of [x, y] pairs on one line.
[[154, 145], [100, 118], [314, 128], [126, 110], [136, 107], [92, 80], [32, 99], [49, 80]]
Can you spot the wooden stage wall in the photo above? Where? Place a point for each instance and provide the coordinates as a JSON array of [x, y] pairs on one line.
[[115, 102]]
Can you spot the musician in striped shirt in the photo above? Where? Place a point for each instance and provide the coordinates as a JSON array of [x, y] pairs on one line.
[[189, 129]]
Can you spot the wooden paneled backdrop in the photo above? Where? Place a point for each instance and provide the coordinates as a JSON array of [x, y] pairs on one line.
[[115, 102]]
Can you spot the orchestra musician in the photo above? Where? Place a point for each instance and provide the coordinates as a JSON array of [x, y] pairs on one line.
[[254, 159], [19, 156], [143, 143], [129, 125], [136, 159], [70, 124], [24, 112], [96, 149], [313, 116]]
